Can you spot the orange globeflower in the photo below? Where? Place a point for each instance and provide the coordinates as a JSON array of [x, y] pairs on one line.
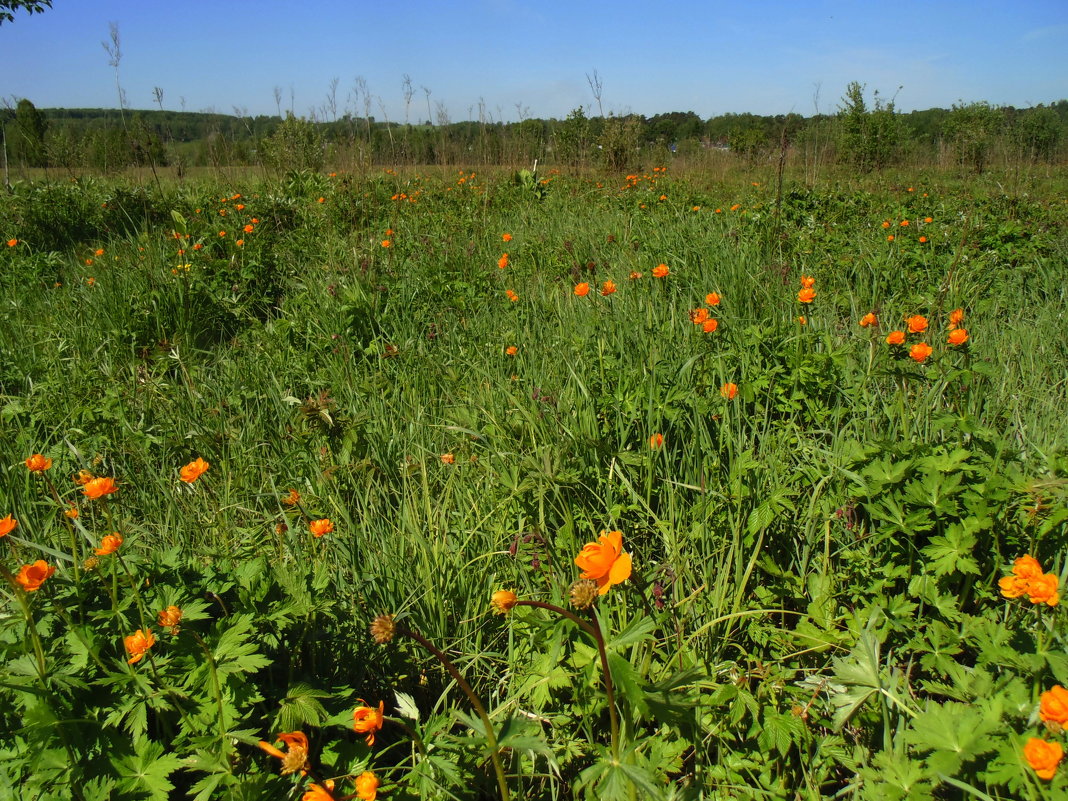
[[710, 325], [386, 243], [698, 316], [295, 757], [956, 317], [582, 290], [137, 645], [222, 233], [919, 352], [904, 223], [502, 262], [1043, 757], [1053, 706], [890, 238], [1043, 590], [99, 251], [958, 336], [605, 561], [923, 240], [656, 441], [895, 338], [367, 720], [12, 242], [807, 282], [661, 271], [1024, 570], [99, 487], [736, 206], [7, 525], [194, 470], [868, 320], [634, 275], [916, 324], [31, 577], [503, 601], [729, 390], [323, 792], [928, 219], [512, 296], [366, 786], [448, 458], [511, 350], [109, 544], [38, 463], [712, 298], [292, 499], [248, 229], [320, 528], [506, 237], [886, 223], [608, 288], [806, 295], [169, 618]]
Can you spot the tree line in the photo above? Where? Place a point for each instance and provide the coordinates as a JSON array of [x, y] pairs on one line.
[[865, 133]]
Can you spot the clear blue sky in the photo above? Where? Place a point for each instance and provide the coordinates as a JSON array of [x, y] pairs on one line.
[[708, 56]]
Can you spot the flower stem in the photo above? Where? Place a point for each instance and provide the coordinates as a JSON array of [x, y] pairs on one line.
[[594, 630], [491, 737]]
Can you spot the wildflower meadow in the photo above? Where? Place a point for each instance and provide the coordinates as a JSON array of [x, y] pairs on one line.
[[436, 484]]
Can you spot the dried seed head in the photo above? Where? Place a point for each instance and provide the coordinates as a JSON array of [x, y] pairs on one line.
[[383, 629], [583, 593]]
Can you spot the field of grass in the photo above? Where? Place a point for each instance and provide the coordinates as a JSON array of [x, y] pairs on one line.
[[425, 400]]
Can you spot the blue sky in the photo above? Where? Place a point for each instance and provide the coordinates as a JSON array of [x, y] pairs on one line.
[[514, 56]]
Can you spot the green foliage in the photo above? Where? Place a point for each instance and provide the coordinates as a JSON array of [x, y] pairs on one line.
[[970, 129], [869, 138]]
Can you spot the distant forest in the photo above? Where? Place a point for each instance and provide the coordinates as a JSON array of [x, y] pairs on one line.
[[868, 134]]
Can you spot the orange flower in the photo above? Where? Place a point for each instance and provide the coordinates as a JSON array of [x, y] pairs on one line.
[[712, 298], [803, 320], [605, 561], [728, 390], [248, 229], [502, 262], [1043, 590], [386, 243], [38, 463], [503, 601], [923, 240], [582, 290], [315, 792], [194, 470], [710, 325], [222, 233], [506, 237], [698, 316], [366, 786], [7, 525], [608, 288], [367, 720], [109, 544], [904, 223], [292, 499], [512, 296], [634, 275], [661, 271], [31, 577], [71, 512], [928, 219], [1024, 569], [169, 618], [806, 295], [807, 282], [12, 242], [321, 200], [886, 223], [890, 238], [295, 757], [916, 324], [137, 645], [919, 352], [958, 336], [895, 338], [868, 320], [320, 528], [956, 317], [99, 487], [736, 206], [99, 251], [511, 350], [1043, 757], [448, 458], [656, 441], [1053, 705]]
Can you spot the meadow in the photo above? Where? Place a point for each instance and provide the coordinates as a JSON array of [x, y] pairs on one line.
[[448, 485]]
